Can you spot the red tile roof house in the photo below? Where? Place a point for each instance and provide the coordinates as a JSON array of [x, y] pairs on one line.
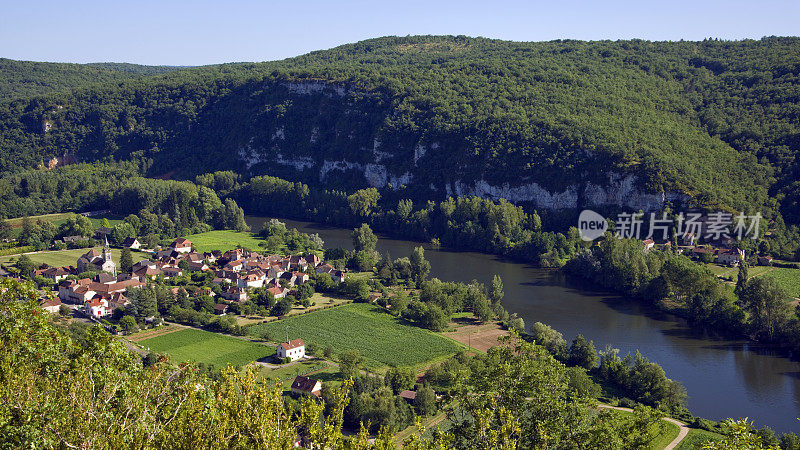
[[306, 386], [730, 256], [293, 350], [220, 309], [56, 273], [97, 307], [51, 305], [181, 245], [278, 291], [235, 294]]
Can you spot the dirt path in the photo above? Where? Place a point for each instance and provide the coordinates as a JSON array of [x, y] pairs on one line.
[[478, 337], [683, 429], [147, 334]]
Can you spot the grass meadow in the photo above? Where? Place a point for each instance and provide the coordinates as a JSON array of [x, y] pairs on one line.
[[382, 339], [59, 258], [223, 240], [199, 346]]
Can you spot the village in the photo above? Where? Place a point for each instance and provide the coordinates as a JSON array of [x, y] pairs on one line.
[[236, 279]]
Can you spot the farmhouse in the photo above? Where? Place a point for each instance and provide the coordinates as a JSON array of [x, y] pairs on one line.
[[730, 256], [220, 309], [131, 243], [181, 245], [235, 294], [55, 273], [306, 386], [97, 307], [278, 291], [51, 305], [293, 350]]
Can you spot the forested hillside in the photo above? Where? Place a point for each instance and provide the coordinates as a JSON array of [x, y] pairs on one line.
[[27, 78], [557, 125]]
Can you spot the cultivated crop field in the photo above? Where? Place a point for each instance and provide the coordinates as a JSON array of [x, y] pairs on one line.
[[206, 347], [59, 258], [382, 339], [789, 279], [223, 240]]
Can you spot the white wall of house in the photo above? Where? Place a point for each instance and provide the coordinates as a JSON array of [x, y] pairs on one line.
[[293, 354]]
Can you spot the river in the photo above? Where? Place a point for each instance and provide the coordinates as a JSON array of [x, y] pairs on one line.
[[724, 378]]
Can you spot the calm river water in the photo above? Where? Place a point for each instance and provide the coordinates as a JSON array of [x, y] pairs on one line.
[[723, 378]]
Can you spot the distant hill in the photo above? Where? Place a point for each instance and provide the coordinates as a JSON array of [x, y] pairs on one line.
[[27, 78], [557, 125]]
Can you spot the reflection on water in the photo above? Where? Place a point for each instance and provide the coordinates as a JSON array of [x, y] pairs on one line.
[[723, 378]]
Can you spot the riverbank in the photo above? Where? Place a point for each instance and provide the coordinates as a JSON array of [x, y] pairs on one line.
[[724, 378]]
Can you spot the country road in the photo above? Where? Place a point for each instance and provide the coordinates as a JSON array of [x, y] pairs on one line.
[[684, 430]]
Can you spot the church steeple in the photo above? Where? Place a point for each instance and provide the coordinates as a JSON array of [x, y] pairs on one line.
[[106, 253], [108, 265]]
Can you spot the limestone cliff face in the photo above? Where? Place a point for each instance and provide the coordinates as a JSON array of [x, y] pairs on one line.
[[311, 147]]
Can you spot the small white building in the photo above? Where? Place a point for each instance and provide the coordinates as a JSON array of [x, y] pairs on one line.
[[730, 257], [51, 305], [293, 350], [97, 307]]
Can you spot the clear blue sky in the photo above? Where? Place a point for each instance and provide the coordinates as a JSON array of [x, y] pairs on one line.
[[205, 32]]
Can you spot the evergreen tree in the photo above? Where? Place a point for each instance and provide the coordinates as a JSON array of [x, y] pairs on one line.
[[125, 261], [741, 280]]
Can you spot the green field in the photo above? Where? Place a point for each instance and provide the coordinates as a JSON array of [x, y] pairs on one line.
[[59, 218], [206, 347], [789, 279], [696, 437], [383, 339], [322, 371], [61, 258], [223, 240]]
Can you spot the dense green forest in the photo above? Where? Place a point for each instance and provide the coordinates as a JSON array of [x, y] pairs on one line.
[[715, 120], [29, 78]]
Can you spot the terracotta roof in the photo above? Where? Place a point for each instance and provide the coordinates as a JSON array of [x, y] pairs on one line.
[[408, 395], [276, 290], [304, 384], [51, 302], [292, 344], [181, 243]]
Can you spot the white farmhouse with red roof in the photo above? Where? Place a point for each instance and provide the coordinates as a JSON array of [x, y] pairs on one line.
[[181, 245], [293, 350]]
